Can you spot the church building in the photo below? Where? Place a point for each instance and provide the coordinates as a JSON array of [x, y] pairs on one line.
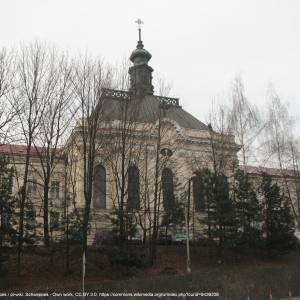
[[147, 154]]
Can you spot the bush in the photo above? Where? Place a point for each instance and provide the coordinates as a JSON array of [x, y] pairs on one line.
[[126, 257], [103, 238], [168, 271]]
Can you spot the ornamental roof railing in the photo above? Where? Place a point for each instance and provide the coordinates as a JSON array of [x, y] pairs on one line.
[[168, 101], [116, 94], [125, 95]]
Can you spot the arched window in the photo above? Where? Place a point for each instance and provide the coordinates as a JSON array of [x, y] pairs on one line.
[[99, 187], [168, 189], [133, 188], [32, 187], [198, 192]]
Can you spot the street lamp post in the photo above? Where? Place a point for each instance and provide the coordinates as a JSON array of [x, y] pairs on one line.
[[187, 227]]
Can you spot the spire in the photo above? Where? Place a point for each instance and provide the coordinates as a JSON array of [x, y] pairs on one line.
[[140, 72]]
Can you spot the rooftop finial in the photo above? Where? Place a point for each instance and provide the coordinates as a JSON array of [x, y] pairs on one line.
[[140, 22], [140, 72]]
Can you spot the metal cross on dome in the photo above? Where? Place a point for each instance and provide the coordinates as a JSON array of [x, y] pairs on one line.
[[139, 22]]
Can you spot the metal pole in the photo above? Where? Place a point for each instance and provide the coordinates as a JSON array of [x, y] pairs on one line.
[[187, 224], [83, 273]]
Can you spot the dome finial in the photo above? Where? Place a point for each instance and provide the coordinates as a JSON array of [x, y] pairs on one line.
[[140, 72], [140, 43]]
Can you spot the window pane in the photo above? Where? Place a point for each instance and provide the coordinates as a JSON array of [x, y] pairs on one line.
[[168, 189], [99, 187], [54, 220], [30, 218], [198, 193], [133, 188], [55, 189], [32, 187]]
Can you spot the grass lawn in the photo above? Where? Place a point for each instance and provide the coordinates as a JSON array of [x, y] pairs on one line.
[[40, 271]]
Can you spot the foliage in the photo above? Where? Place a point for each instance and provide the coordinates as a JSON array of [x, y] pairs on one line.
[[224, 214], [220, 222], [235, 219], [247, 212], [30, 234], [75, 226], [174, 196], [54, 220], [127, 257], [173, 216], [7, 202], [130, 228], [8, 234], [279, 222]]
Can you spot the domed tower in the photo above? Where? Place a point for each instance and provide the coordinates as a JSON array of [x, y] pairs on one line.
[[140, 73]]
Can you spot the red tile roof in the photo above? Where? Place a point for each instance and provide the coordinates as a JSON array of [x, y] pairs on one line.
[[251, 170], [21, 150]]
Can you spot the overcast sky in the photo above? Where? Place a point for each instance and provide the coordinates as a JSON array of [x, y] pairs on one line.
[[199, 46]]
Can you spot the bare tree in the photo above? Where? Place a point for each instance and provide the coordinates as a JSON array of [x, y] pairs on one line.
[[223, 148], [164, 87], [35, 81], [8, 108], [89, 78], [130, 143], [244, 120], [72, 164], [156, 189], [161, 135], [278, 137], [125, 148], [53, 128], [127, 139]]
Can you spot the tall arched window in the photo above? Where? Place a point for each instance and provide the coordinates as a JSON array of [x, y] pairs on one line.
[[133, 188], [198, 192], [99, 187], [168, 189]]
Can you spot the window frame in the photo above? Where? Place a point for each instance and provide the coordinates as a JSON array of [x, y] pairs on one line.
[[101, 189], [55, 190], [133, 186]]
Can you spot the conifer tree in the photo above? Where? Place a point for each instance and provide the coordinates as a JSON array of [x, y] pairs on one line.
[[225, 213], [30, 234], [173, 217], [7, 205], [279, 222], [206, 183], [75, 226], [220, 209], [174, 197], [247, 209]]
